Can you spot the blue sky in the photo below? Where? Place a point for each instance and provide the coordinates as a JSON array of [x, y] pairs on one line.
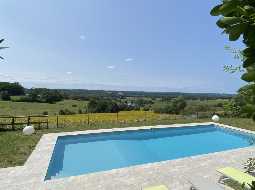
[[162, 45]]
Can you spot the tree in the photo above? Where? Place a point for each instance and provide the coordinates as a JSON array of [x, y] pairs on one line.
[[44, 95], [2, 47], [238, 19], [5, 96], [242, 104], [13, 89], [175, 106], [97, 105], [179, 104]]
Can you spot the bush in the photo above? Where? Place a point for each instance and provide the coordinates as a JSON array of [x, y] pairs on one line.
[[146, 108], [45, 113], [21, 99], [66, 112], [5, 96], [103, 106]]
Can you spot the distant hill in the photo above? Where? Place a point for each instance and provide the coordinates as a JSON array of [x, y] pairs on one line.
[[83, 93]]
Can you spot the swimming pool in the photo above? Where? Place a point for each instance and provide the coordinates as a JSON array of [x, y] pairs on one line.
[[88, 153]]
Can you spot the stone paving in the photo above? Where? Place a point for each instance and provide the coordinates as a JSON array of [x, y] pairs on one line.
[[173, 173]]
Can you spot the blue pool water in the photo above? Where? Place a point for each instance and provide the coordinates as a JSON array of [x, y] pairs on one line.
[[82, 154]]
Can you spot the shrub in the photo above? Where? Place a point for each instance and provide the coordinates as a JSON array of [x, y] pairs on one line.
[[249, 165], [5, 96], [102, 106], [45, 113], [146, 108], [66, 112]]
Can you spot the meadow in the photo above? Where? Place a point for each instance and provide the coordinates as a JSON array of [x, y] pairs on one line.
[[34, 108]]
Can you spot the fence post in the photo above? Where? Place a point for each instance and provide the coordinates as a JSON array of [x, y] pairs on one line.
[[88, 118], [47, 122], [13, 123], [28, 120], [117, 117], [57, 121]]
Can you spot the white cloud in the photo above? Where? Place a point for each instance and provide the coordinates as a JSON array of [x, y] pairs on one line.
[[69, 72], [111, 67], [6, 77], [82, 37], [129, 59]]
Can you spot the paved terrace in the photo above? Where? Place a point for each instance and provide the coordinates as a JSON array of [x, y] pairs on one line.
[[173, 173]]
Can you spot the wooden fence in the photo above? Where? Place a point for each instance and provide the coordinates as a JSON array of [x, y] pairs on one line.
[[13, 121]]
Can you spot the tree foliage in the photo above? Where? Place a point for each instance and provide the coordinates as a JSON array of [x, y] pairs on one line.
[[102, 106], [175, 106], [43, 95], [13, 89], [5, 96], [242, 105], [237, 18]]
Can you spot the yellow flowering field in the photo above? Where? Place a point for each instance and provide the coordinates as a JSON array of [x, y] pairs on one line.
[[124, 117], [121, 117]]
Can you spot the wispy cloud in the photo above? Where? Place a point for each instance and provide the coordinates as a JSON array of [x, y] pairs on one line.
[[111, 67], [69, 72], [82, 37], [6, 77], [129, 59]]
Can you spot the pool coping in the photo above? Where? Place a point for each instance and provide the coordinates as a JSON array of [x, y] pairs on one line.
[[36, 166]]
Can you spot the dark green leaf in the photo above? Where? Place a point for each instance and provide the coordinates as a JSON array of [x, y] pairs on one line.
[[236, 31], [241, 10], [249, 52], [230, 20], [248, 7], [220, 24], [216, 10], [228, 7], [249, 62], [249, 77]]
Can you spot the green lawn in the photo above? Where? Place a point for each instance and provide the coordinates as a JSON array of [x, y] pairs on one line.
[[15, 147], [32, 108]]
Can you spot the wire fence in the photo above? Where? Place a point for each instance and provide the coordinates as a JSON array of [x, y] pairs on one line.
[[125, 117]]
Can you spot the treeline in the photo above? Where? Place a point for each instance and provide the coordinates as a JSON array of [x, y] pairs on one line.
[[83, 94], [42, 95], [114, 101], [7, 90], [106, 105], [10, 89]]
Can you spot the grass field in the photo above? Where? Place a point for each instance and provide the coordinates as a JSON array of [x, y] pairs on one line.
[[15, 147], [30, 108], [33, 108]]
